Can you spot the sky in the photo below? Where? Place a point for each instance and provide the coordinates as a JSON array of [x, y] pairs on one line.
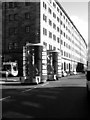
[[78, 13]]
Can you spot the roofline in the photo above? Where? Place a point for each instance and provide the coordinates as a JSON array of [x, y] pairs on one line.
[[70, 21]]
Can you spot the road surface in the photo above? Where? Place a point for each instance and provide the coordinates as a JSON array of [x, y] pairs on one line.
[[66, 98]]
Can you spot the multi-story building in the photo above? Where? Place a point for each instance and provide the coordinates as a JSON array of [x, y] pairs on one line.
[[44, 22]]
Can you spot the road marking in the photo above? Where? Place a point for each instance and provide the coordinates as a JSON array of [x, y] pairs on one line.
[[5, 98], [27, 90], [35, 87], [45, 84]]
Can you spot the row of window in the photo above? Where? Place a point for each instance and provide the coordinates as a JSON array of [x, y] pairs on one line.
[[50, 46], [54, 15], [66, 66], [14, 30], [12, 46], [66, 54], [45, 18], [50, 35], [54, 5], [11, 5], [14, 17]]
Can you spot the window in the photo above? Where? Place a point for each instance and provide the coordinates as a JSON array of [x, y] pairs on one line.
[[27, 15], [44, 31], [50, 47], [58, 19], [45, 44], [61, 13], [15, 30], [16, 16], [54, 48], [11, 4], [10, 31], [61, 32], [45, 18], [54, 25], [50, 22], [61, 22], [54, 15], [61, 42], [10, 46], [64, 34], [57, 9], [61, 52], [11, 18], [49, 10], [50, 34], [44, 5], [64, 53], [54, 5], [64, 43], [58, 29], [15, 45], [54, 37], [27, 29], [15, 4], [64, 25], [58, 40]]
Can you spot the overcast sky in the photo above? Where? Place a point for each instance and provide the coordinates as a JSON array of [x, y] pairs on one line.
[[78, 12]]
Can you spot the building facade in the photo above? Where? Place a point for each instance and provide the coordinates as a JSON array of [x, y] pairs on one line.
[[44, 22]]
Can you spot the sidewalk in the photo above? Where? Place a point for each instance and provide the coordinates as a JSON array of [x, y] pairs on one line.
[[9, 80]]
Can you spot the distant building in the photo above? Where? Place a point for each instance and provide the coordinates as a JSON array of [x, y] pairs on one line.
[[43, 22]]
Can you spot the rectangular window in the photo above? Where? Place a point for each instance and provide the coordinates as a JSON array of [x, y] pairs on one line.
[[11, 4], [61, 13], [54, 37], [58, 19], [61, 32], [10, 46], [54, 15], [15, 45], [16, 16], [27, 15], [58, 40], [61, 22], [50, 34], [45, 18], [57, 9], [50, 22], [61, 42], [50, 47], [49, 10], [27, 29], [58, 29], [44, 5], [44, 31], [11, 31], [54, 26], [11, 17], [54, 48], [54, 5]]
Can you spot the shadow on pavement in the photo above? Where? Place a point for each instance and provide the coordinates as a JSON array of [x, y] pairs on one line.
[[56, 102]]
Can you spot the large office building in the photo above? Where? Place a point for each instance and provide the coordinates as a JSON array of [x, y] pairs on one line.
[[44, 22]]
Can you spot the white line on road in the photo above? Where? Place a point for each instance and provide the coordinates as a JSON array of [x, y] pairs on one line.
[[45, 84], [35, 87], [5, 98]]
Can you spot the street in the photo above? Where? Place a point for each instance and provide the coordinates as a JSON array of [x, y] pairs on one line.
[[65, 98]]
